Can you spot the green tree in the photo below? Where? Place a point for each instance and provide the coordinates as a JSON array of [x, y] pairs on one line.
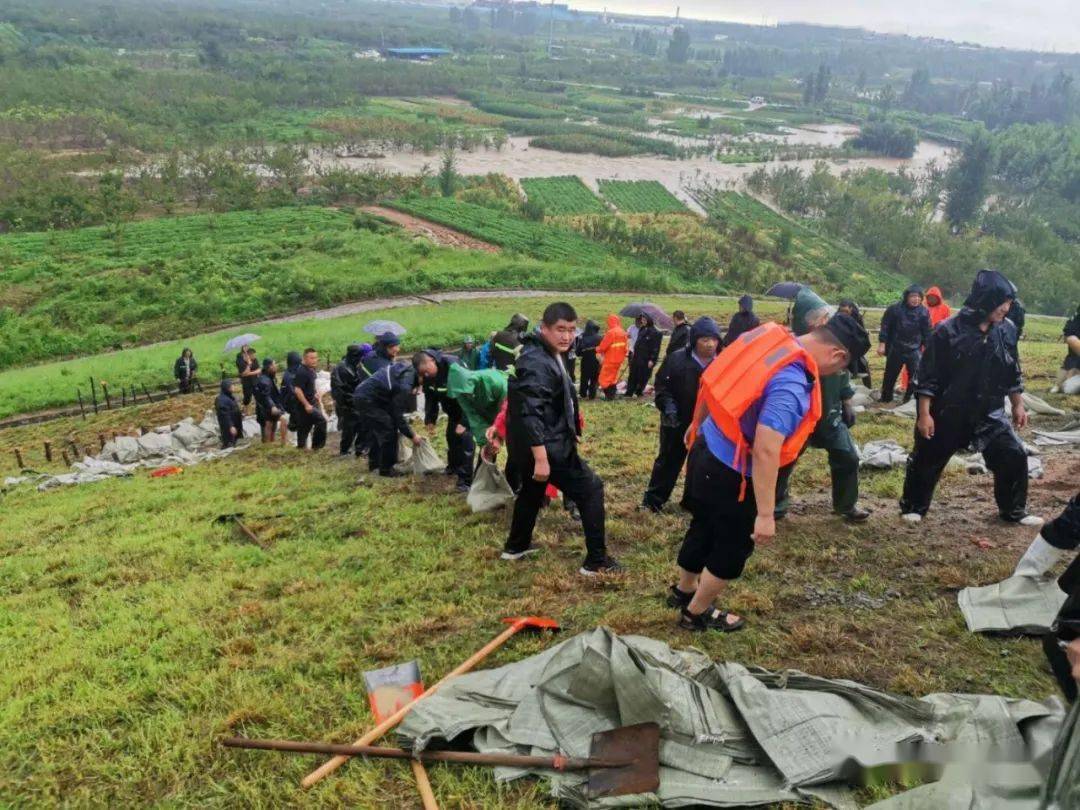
[[115, 205], [678, 51], [448, 176], [968, 179], [822, 83], [808, 89]]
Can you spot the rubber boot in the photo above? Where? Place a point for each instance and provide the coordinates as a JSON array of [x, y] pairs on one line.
[[1039, 558]]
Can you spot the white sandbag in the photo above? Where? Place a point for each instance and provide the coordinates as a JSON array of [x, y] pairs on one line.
[[974, 464], [1071, 386], [404, 454], [490, 490], [883, 454], [1018, 606], [155, 444], [123, 449], [1032, 403], [425, 460], [862, 396]]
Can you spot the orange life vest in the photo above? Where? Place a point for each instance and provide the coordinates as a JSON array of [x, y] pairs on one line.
[[736, 379]]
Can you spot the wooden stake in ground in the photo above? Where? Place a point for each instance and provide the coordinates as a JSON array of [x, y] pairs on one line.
[[48, 450], [67, 459], [101, 440], [516, 626], [19, 458]]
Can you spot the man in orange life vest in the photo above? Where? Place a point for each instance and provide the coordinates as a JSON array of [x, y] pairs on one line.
[[758, 404]]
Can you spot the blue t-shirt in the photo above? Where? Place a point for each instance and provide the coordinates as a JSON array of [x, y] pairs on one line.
[[782, 406]]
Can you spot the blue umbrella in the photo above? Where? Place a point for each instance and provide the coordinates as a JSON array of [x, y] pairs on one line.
[[240, 340], [381, 327], [785, 289]]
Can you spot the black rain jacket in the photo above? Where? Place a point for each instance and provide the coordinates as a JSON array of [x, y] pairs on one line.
[[542, 405], [345, 377], [742, 321], [292, 363], [905, 329], [228, 412], [969, 372], [388, 390], [680, 335], [267, 394], [676, 386], [435, 390], [647, 345]]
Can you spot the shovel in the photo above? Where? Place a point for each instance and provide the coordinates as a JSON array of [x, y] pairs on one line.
[[234, 517], [621, 762]]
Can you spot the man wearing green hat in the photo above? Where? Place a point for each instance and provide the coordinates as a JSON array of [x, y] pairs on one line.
[[832, 433]]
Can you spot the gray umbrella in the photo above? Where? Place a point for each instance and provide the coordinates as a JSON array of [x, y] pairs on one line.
[[381, 327], [660, 318], [240, 340], [785, 289]]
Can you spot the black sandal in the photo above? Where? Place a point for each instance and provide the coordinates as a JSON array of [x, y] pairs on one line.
[[678, 599], [711, 619]]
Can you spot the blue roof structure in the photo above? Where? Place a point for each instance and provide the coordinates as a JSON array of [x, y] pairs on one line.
[[414, 53]]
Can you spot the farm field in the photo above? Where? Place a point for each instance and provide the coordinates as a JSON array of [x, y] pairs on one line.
[[814, 257], [82, 291], [640, 197], [53, 384], [558, 196], [146, 631]]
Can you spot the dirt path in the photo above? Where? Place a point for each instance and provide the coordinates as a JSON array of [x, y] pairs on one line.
[[439, 234]]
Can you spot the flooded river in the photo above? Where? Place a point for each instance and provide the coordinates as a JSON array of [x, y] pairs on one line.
[[518, 160]]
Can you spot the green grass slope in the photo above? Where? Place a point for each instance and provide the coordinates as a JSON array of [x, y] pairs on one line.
[[640, 197]]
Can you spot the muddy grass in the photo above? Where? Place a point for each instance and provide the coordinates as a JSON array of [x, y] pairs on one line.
[[143, 630]]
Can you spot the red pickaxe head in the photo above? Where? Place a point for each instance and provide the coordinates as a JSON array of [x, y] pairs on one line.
[[532, 623]]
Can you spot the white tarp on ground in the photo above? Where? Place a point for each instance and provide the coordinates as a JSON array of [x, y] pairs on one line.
[[1032, 403], [1046, 438], [885, 454], [1019, 605]]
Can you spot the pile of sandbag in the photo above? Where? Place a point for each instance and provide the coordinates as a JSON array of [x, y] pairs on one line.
[[182, 445], [1032, 403], [731, 735]]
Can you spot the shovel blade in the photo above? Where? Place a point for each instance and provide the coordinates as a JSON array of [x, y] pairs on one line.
[[639, 747]]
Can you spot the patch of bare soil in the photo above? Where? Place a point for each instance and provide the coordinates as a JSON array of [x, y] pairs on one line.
[[439, 234]]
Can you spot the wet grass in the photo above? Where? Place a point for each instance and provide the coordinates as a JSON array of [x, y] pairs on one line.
[[136, 631]]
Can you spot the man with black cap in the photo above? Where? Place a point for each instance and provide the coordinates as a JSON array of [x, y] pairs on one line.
[[343, 381], [380, 402], [832, 434], [905, 329], [758, 403], [387, 347], [288, 398], [676, 395], [432, 371], [310, 420], [968, 369]]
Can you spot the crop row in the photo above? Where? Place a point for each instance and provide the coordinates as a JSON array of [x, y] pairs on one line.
[[561, 196], [640, 197]]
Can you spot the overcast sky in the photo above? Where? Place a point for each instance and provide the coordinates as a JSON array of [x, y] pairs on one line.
[[1030, 24]]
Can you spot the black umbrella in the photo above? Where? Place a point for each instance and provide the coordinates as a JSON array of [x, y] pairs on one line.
[[660, 318], [785, 289]]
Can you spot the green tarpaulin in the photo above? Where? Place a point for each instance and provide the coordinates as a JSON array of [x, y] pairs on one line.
[[731, 736]]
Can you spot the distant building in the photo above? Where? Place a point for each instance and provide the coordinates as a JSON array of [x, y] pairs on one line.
[[417, 54]]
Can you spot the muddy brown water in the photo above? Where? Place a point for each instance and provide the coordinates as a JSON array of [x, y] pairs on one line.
[[519, 160]]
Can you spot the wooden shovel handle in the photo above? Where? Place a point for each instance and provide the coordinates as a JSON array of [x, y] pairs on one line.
[[423, 786], [333, 764]]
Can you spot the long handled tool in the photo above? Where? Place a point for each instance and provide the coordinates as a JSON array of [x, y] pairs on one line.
[[516, 626], [621, 762]]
